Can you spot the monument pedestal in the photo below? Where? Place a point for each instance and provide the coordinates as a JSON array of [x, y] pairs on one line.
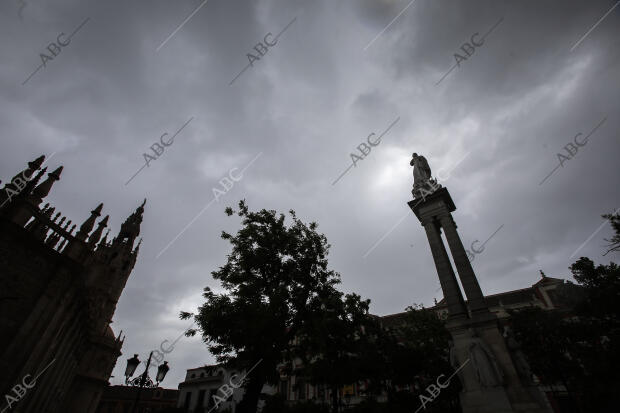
[[491, 383]]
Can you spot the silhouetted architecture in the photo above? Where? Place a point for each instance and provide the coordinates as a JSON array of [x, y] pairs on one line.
[[201, 384], [541, 294], [204, 389], [491, 381], [59, 293], [120, 399]]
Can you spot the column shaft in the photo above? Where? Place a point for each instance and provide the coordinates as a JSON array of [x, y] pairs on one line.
[[447, 278], [468, 278]]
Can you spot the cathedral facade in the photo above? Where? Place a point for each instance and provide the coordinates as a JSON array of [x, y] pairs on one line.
[[58, 293]]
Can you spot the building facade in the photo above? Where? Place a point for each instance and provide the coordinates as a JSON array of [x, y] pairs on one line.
[[541, 294], [59, 293], [209, 388]]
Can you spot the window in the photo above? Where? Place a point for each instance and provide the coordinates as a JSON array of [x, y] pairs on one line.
[[188, 399], [210, 401], [284, 389], [301, 389], [201, 398]]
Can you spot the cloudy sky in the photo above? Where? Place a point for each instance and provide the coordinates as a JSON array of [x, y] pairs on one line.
[[491, 129]]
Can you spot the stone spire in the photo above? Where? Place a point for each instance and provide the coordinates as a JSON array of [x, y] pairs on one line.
[[33, 182], [137, 249], [93, 239], [130, 229], [87, 226], [18, 184], [104, 241], [32, 166], [43, 189]]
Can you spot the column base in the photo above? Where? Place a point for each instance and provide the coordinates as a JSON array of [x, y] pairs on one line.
[[494, 400], [490, 381], [490, 400]]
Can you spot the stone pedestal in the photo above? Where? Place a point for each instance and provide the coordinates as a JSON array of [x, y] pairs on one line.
[[490, 380]]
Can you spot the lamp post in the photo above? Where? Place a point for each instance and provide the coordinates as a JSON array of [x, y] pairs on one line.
[[143, 380]]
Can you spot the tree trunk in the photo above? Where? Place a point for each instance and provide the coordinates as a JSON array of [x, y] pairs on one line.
[[334, 399], [249, 403]]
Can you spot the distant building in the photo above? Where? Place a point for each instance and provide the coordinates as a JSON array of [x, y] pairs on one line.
[[205, 387], [59, 294], [541, 294], [120, 399]]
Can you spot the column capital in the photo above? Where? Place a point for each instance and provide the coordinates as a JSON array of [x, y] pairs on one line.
[[427, 220], [433, 204], [446, 218]]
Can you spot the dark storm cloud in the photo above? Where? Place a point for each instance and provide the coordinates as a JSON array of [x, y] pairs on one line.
[[498, 120]]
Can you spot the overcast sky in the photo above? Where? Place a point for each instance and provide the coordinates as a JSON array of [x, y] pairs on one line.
[[341, 70]]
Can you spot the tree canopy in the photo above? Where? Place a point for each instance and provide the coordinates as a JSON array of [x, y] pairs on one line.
[[614, 242], [579, 347], [279, 301]]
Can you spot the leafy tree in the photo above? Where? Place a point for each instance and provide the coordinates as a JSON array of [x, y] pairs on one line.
[[545, 338], [335, 349], [276, 285], [579, 346], [279, 306], [614, 242], [576, 350], [277, 404], [601, 286], [419, 353], [355, 346]]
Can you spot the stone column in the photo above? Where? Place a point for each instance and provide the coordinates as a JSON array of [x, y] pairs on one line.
[[447, 278], [475, 298]]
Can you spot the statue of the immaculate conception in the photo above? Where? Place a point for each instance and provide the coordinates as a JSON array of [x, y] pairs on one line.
[[423, 183]]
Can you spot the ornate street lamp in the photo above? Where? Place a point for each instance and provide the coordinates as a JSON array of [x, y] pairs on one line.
[[161, 372], [132, 364], [143, 380]]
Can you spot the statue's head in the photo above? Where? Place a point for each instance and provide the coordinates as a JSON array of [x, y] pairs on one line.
[[415, 155]]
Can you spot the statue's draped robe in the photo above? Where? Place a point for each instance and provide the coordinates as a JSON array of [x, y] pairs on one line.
[[485, 364], [421, 172]]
